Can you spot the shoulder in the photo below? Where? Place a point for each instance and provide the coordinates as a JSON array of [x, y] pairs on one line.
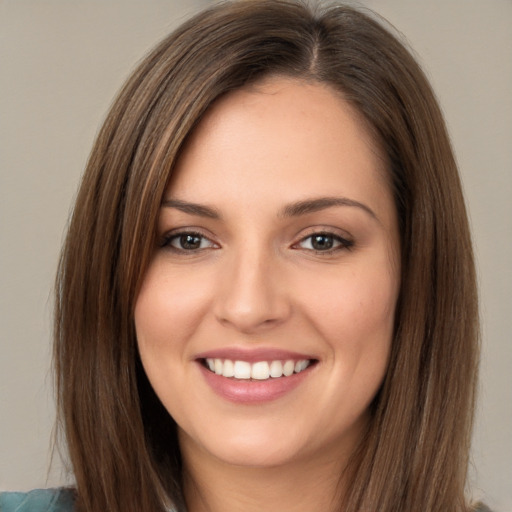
[[39, 500]]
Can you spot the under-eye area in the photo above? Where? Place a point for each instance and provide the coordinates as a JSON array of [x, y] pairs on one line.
[[260, 370]]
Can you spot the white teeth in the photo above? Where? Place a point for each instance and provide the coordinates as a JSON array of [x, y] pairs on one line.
[[301, 365], [242, 370], [229, 369], [276, 369], [288, 368], [261, 370]]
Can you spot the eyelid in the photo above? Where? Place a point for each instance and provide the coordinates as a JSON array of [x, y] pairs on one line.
[[168, 236], [345, 241]]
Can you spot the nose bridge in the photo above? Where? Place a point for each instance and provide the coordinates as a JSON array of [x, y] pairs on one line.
[[250, 294]]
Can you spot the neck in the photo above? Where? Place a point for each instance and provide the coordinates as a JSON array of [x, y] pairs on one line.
[[212, 485]]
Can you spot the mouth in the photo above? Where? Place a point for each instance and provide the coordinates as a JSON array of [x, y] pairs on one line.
[[258, 370], [256, 375]]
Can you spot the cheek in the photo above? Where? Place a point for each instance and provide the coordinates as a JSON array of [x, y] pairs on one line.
[[354, 314], [167, 310], [166, 317], [355, 306]]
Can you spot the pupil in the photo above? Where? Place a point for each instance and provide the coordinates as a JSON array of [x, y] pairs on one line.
[[322, 242], [190, 241]]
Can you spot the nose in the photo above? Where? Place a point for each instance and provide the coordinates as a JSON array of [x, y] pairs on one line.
[[252, 296]]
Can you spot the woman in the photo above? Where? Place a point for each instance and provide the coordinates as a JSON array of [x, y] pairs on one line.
[[267, 292]]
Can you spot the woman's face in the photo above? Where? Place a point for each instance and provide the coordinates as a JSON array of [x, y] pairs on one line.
[[265, 319]]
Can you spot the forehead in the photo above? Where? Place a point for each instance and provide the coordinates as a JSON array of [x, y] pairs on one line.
[[281, 136]]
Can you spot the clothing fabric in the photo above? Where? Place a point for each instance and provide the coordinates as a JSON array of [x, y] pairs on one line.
[[39, 500], [61, 500]]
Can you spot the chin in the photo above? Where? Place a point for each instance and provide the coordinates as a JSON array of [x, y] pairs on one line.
[[258, 455], [259, 446]]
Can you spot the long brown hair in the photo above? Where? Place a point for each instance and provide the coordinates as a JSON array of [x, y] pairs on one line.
[[122, 443]]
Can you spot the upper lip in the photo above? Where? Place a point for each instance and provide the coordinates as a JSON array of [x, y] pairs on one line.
[[253, 355]]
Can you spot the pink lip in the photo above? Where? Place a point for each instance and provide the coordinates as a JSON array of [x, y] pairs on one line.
[[252, 391], [253, 355]]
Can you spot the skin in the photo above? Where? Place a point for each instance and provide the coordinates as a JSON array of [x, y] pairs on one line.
[[256, 280]]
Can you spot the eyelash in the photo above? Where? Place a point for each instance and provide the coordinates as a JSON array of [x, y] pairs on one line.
[[337, 242], [170, 237]]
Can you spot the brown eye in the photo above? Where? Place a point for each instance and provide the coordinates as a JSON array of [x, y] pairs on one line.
[[324, 242], [187, 242]]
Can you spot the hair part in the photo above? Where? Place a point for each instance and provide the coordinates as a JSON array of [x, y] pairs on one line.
[[122, 442]]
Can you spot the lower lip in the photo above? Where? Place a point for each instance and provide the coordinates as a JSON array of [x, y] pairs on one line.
[[253, 391]]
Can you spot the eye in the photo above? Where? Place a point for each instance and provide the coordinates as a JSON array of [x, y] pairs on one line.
[[324, 242], [187, 241]]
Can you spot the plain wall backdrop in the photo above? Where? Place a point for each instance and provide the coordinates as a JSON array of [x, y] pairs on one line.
[[61, 63]]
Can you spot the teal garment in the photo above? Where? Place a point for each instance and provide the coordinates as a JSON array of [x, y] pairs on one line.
[[483, 508], [39, 500], [62, 500]]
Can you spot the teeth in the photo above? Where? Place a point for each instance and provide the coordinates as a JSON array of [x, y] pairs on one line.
[[242, 370], [276, 369], [261, 370], [228, 369], [301, 365], [288, 368]]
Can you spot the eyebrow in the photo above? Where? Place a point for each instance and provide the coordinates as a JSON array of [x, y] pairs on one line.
[[314, 205], [192, 208], [295, 209]]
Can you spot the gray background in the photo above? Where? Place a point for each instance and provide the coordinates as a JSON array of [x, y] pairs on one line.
[[61, 63]]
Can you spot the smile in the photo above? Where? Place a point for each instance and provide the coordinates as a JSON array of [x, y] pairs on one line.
[[260, 370], [254, 376]]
